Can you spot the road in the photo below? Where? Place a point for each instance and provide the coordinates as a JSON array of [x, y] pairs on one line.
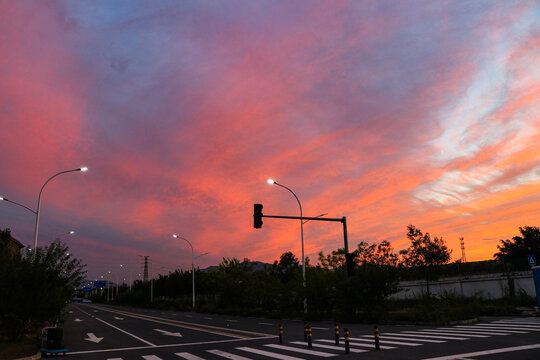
[[104, 332]]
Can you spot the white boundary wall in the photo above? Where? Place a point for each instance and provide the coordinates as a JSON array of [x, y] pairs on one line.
[[489, 286]]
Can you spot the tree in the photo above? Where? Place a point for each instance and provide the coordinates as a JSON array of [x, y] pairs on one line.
[[515, 251], [36, 289], [425, 252]]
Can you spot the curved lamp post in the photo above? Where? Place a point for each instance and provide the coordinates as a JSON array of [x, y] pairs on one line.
[[39, 202], [192, 267], [272, 182]]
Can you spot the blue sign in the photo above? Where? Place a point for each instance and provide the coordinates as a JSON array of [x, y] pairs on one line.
[[532, 260], [100, 284], [86, 289]]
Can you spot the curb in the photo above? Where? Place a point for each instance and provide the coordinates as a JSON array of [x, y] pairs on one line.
[[31, 357]]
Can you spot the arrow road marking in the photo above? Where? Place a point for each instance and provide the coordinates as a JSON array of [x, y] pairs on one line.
[[168, 333], [93, 338], [77, 320], [118, 318]]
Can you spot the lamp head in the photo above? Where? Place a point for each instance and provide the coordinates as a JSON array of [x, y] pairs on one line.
[[83, 169], [72, 232], [270, 181], [1, 198], [175, 236]]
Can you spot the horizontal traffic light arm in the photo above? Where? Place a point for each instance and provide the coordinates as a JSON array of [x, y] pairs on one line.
[[305, 218]]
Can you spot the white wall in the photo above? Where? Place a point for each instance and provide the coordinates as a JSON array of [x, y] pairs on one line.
[[491, 286]]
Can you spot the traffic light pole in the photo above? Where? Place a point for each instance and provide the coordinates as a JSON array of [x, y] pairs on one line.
[[342, 220]]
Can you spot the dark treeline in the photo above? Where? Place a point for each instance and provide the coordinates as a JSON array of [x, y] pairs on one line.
[[244, 288]]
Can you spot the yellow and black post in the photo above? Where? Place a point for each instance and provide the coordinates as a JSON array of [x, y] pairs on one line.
[[305, 331], [376, 333], [309, 345], [336, 328], [346, 335], [280, 334]]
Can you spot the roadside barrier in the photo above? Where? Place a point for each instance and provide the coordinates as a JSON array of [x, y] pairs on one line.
[[336, 328], [280, 334], [305, 331], [309, 344]]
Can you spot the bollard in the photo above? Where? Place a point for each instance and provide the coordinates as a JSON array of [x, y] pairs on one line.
[[376, 333], [336, 327], [346, 335], [280, 334], [309, 345], [305, 331]]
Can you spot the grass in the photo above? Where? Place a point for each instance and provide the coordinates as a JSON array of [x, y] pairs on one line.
[[26, 347]]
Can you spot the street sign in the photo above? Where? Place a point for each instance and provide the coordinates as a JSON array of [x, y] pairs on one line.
[[87, 289], [100, 284], [532, 260]]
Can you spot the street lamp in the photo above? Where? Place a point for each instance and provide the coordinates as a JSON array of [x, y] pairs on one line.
[[272, 182], [192, 267], [39, 202]]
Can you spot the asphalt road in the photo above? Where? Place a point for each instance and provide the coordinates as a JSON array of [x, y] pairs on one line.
[[105, 332]]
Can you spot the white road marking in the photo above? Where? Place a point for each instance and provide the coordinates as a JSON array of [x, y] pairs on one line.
[[403, 333], [450, 332], [269, 324], [227, 355], [118, 318], [114, 359], [331, 347], [319, 328], [482, 332], [168, 333], [93, 338], [487, 352], [514, 327], [383, 341], [482, 328], [532, 323], [300, 350], [125, 332], [78, 320], [151, 357], [269, 354], [232, 320], [188, 356], [385, 337], [371, 346], [208, 318]]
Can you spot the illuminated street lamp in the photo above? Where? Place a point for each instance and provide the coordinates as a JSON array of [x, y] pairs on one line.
[[192, 266], [272, 182], [39, 202]]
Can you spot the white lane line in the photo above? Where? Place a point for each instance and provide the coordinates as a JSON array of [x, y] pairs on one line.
[[232, 320], [188, 356], [331, 347], [151, 357], [302, 351], [268, 354], [382, 341], [117, 328], [372, 346], [450, 332], [127, 333], [319, 328], [227, 355], [482, 332], [414, 334], [487, 352], [114, 358], [533, 323], [269, 324], [385, 337], [207, 318], [483, 328]]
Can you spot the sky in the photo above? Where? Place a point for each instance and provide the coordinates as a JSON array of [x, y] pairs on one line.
[[387, 112]]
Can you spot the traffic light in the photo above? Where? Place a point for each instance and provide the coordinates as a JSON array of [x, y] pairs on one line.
[[349, 262], [257, 216]]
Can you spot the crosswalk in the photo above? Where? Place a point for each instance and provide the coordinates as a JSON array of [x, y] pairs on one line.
[[325, 348]]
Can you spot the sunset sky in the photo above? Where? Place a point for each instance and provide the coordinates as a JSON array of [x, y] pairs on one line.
[[387, 112]]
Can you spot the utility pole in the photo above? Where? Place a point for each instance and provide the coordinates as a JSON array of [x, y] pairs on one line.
[[145, 276], [463, 258]]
